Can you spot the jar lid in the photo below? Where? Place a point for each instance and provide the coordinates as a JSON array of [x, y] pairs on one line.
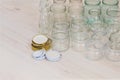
[[39, 55], [39, 39], [53, 56]]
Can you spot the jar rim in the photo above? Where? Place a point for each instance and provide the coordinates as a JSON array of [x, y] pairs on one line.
[[98, 2], [110, 4]]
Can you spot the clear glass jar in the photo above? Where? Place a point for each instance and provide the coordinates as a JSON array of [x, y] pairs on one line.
[[113, 47], [108, 4], [112, 20], [91, 4], [61, 41], [79, 34], [44, 18], [96, 46], [93, 50]]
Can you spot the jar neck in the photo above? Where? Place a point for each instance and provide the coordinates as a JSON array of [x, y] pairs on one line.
[[92, 2], [110, 2]]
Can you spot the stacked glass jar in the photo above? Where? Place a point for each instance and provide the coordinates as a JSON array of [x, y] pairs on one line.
[[78, 32], [60, 30], [103, 20], [44, 20], [93, 27]]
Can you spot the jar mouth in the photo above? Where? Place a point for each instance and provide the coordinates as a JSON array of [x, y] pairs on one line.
[[110, 2], [93, 3], [113, 12]]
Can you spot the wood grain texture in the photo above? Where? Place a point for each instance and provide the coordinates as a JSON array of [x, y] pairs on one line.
[[18, 24]]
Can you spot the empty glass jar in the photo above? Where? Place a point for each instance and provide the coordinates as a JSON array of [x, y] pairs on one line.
[[113, 47], [61, 41], [93, 50], [79, 34], [112, 20], [44, 18], [95, 46]]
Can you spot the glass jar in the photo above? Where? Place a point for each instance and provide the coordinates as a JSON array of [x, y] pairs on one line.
[[112, 20], [93, 50], [61, 41], [79, 34], [113, 47], [96, 46], [44, 18], [91, 4], [108, 4]]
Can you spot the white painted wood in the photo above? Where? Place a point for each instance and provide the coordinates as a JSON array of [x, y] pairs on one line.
[[18, 24]]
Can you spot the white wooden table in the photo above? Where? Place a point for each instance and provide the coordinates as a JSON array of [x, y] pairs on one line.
[[18, 24]]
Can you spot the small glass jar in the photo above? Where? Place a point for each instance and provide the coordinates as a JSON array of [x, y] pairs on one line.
[[96, 46], [78, 40], [44, 18], [113, 47], [91, 4], [112, 20], [79, 33], [61, 41], [108, 4], [93, 50]]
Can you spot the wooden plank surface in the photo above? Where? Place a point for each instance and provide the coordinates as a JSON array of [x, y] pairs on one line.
[[18, 24]]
